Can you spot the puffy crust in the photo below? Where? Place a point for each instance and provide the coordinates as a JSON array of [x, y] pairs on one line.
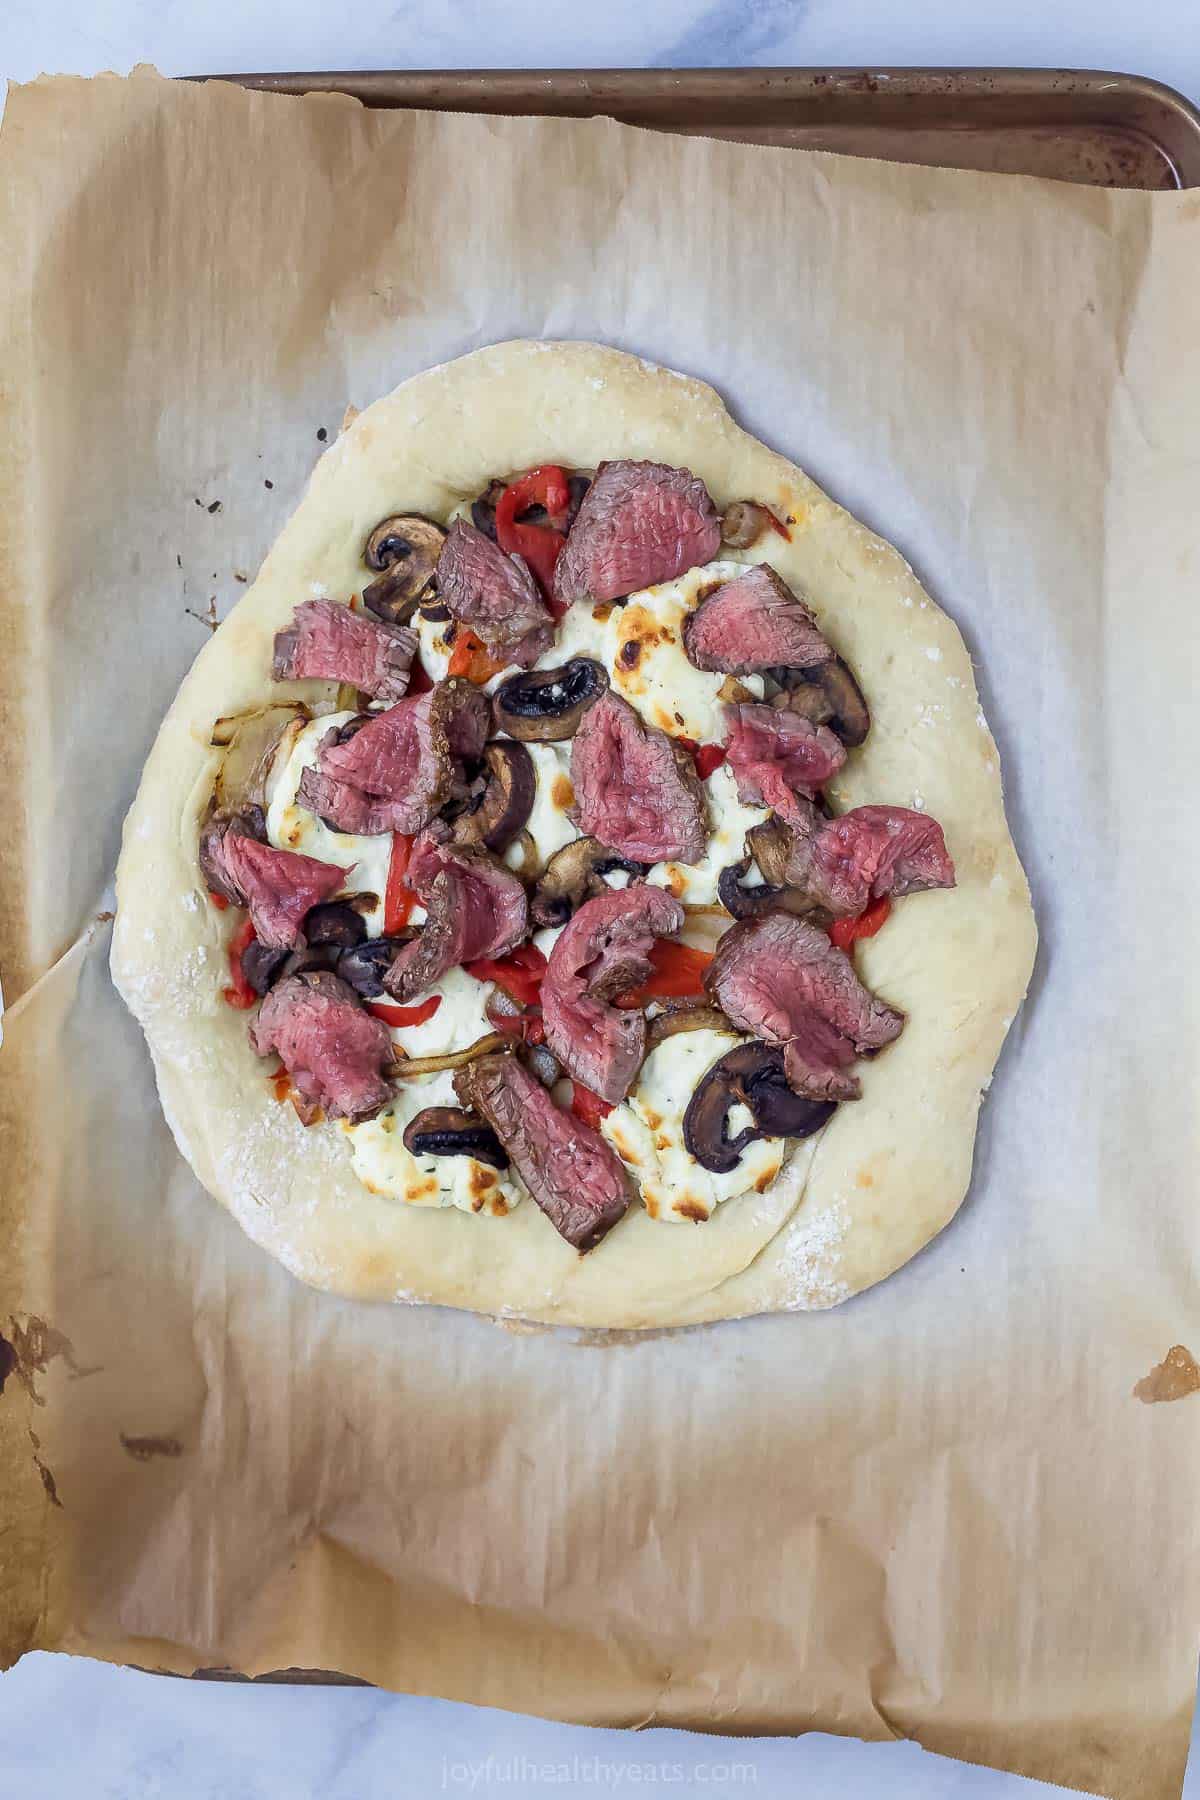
[[850, 1206]]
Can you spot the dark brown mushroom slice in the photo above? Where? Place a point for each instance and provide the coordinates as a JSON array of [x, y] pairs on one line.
[[828, 695], [500, 799], [756, 902], [743, 523], [770, 844], [262, 966], [749, 1075], [449, 1131], [336, 923], [543, 706], [575, 874], [365, 964], [404, 548]]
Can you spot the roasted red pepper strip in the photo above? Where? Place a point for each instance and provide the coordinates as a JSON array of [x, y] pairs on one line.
[[470, 657], [538, 544], [240, 993], [218, 900], [398, 900], [845, 933], [519, 973], [588, 1108], [706, 757], [405, 1015], [678, 974]]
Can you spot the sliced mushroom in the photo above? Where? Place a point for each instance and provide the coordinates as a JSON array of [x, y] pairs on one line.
[[365, 964], [543, 706], [500, 800], [575, 874], [336, 923], [756, 902], [405, 547], [448, 1131], [770, 844], [743, 524], [543, 1063], [735, 692], [262, 966], [828, 695], [750, 1075]]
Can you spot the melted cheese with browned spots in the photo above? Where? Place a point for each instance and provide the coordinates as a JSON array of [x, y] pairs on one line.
[[646, 1132], [387, 1169]]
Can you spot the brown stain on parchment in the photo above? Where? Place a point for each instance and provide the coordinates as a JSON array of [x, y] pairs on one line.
[[1174, 1378], [142, 1449], [31, 1346], [43, 1470]]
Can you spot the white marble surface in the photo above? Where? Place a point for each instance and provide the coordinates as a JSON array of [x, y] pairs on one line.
[[69, 1727]]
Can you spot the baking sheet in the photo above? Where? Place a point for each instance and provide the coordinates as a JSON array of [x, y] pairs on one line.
[[938, 1511], [1087, 125]]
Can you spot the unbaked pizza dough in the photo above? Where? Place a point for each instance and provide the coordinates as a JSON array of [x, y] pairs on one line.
[[850, 1205]]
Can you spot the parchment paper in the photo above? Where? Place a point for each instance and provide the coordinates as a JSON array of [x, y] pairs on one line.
[[938, 1511]]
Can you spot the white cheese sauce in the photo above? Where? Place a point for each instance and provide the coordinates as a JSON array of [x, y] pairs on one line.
[[646, 1131], [387, 1169]]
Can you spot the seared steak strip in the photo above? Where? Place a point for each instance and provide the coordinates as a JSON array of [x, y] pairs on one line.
[[871, 851], [576, 1178], [640, 523], [494, 595], [334, 1052], [278, 886], [604, 952], [751, 623], [474, 907], [781, 979], [397, 769], [635, 789], [776, 755], [331, 643]]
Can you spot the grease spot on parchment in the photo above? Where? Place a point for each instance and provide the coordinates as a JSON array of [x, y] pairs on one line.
[[1174, 1378], [47, 1477], [143, 1448]]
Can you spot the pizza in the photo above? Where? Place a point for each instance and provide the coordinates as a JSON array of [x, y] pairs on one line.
[[573, 883]]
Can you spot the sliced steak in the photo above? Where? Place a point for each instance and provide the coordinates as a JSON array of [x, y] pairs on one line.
[[751, 623], [783, 980], [331, 643], [640, 523], [576, 1178], [394, 772], [278, 886], [494, 595], [474, 906], [251, 821], [334, 1052], [603, 952], [635, 789], [871, 851], [777, 755], [817, 1062]]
